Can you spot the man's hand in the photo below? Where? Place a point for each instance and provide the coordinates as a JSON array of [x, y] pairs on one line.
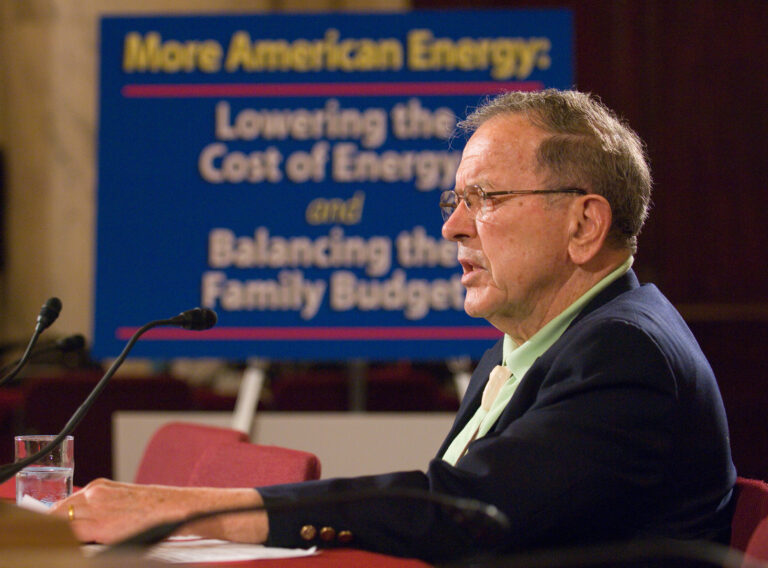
[[107, 511]]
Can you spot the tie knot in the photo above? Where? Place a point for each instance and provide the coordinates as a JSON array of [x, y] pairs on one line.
[[499, 375]]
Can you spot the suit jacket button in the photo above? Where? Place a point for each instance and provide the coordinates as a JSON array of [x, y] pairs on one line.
[[345, 537], [327, 534], [308, 532]]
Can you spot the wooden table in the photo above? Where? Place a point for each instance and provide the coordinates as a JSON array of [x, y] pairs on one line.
[[18, 551]]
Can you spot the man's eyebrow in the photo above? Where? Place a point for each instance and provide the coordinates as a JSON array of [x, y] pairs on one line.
[[482, 184]]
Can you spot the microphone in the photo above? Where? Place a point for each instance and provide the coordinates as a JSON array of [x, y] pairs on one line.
[[195, 317], [65, 345], [488, 525], [69, 343], [48, 314]]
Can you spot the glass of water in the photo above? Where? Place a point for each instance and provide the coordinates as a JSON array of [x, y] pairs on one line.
[[49, 479]]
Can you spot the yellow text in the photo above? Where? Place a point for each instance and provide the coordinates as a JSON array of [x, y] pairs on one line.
[[507, 58], [329, 53], [151, 53]]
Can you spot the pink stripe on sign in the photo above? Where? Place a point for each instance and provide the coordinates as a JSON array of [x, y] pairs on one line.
[[315, 333], [451, 88]]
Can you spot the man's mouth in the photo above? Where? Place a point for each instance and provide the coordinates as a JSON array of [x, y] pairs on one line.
[[470, 267]]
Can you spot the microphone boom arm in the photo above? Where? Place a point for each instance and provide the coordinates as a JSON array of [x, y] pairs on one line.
[[24, 358], [9, 470], [48, 314]]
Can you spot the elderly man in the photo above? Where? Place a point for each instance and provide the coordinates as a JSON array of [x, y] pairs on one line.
[[595, 418]]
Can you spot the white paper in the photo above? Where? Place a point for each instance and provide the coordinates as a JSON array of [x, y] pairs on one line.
[[185, 549], [29, 502]]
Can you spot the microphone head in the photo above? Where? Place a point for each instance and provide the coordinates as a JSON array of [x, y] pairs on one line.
[[48, 313], [197, 319], [71, 343]]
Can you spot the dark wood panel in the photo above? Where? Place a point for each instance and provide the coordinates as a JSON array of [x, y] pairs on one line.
[[691, 78], [736, 351]]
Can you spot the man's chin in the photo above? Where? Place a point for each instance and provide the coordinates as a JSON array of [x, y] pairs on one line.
[[476, 309]]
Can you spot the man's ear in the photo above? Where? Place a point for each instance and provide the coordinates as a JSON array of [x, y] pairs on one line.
[[590, 223]]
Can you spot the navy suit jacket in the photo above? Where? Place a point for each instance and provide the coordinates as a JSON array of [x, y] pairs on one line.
[[617, 432]]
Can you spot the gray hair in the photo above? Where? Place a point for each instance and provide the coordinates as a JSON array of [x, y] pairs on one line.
[[589, 147]]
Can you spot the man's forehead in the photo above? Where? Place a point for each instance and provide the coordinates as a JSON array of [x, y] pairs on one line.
[[503, 141], [513, 128]]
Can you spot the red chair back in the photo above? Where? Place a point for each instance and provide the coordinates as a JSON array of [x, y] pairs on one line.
[[252, 465], [757, 547], [749, 527], [173, 451]]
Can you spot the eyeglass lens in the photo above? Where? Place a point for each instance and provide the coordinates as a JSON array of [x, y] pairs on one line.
[[451, 199]]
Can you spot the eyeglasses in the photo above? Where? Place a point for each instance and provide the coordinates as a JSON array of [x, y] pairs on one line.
[[480, 202]]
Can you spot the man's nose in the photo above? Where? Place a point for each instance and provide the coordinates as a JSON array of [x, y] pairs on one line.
[[459, 225]]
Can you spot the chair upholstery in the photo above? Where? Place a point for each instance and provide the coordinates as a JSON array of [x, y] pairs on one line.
[[757, 547], [323, 390], [749, 527], [11, 405], [390, 387], [8, 490], [174, 449], [252, 465]]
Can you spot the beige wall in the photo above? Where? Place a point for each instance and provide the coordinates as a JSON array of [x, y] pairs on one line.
[[48, 92]]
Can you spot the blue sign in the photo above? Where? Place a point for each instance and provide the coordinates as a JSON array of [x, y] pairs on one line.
[[285, 170]]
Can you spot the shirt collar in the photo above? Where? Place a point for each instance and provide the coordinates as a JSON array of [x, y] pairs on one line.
[[519, 358]]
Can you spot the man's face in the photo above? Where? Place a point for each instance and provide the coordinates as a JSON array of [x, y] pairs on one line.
[[514, 258]]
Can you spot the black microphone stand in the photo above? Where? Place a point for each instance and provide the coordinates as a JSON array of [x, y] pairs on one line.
[[65, 345], [48, 314], [189, 320]]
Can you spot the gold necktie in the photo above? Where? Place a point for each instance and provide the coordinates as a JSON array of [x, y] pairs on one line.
[[499, 375]]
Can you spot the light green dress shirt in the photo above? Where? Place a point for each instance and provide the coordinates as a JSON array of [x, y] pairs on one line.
[[518, 359]]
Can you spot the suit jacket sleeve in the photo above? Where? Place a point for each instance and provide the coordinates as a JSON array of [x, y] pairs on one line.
[[589, 448]]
